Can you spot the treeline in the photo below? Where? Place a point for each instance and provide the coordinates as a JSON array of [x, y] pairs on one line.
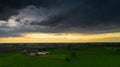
[[114, 44]]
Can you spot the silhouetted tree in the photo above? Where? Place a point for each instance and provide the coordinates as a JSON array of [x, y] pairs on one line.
[[73, 54], [67, 58]]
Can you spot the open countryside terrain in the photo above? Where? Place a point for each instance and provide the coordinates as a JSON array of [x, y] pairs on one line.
[[85, 57]]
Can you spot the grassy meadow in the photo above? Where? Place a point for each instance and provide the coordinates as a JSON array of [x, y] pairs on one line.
[[85, 57]]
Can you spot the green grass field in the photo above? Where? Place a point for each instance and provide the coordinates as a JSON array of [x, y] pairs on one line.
[[86, 57]]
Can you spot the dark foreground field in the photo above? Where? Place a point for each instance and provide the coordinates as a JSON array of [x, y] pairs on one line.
[[85, 57]]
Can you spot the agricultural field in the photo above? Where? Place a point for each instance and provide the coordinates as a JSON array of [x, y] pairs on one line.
[[85, 57]]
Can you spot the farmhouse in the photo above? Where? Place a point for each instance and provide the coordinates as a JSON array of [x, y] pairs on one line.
[[35, 52]]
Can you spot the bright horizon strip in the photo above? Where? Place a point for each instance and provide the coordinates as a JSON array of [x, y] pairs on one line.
[[62, 37]]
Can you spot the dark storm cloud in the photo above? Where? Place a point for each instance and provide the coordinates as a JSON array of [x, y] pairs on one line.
[[83, 16], [95, 15]]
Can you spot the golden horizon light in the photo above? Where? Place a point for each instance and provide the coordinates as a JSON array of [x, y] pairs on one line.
[[62, 37]]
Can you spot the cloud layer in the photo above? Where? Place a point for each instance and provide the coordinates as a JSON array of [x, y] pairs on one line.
[[59, 16]]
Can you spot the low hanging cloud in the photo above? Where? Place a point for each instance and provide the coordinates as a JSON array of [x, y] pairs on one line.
[[59, 16]]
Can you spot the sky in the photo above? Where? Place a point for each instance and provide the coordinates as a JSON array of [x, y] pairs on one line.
[[59, 21]]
